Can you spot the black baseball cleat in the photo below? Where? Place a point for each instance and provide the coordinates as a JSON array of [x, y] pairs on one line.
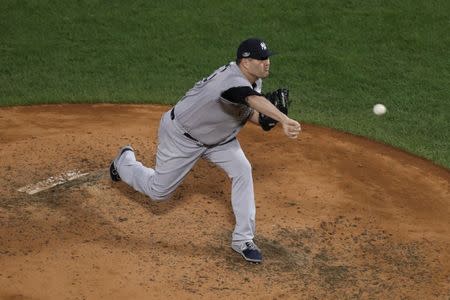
[[112, 167], [249, 251]]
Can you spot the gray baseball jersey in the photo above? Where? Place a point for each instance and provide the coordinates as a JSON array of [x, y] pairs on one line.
[[204, 112], [212, 113]]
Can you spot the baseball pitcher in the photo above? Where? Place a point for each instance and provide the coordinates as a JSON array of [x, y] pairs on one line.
[[204, 124]]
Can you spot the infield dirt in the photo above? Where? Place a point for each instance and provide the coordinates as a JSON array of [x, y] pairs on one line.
[[338, 216]]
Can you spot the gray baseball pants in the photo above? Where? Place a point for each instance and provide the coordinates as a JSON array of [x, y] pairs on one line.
[[176, 156]]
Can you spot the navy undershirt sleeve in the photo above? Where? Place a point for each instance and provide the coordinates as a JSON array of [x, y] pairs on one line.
[[238, 94]]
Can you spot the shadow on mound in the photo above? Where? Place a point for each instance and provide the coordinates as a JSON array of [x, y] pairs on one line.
[[343, 257]]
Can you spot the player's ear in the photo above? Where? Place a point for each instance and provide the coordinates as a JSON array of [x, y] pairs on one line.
[[245, 62]]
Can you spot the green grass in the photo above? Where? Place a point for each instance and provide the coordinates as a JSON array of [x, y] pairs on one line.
[[338, 58]]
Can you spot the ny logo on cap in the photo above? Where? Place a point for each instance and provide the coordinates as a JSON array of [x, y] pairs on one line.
[[263, 46]]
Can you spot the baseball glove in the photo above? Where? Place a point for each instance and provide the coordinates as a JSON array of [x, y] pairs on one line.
[[280, 99]]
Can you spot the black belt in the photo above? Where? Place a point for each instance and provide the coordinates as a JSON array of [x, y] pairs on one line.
[[172, 116]]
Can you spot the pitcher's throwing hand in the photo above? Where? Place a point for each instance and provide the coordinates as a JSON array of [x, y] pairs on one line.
[[291, 128]]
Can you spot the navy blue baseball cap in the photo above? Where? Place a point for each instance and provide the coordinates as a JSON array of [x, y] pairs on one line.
[[253, 48]]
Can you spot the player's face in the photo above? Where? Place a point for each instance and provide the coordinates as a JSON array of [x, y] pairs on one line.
[[259, 68]]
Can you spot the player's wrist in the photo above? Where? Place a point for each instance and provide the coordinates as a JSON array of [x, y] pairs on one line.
[[284, 119]]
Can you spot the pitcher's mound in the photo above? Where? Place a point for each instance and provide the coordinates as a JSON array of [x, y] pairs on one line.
[[338, 216]]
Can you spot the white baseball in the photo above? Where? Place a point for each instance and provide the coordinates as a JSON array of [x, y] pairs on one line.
[[379, 109]]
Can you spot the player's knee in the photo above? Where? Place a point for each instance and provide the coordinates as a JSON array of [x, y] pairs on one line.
[[243, 169], [246, 167], [159, 196]]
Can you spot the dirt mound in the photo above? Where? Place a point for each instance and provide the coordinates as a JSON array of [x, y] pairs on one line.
[[338, 216]]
